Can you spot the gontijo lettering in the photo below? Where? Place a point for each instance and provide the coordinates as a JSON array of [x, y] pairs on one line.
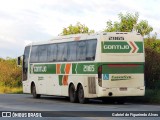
[[116, 47], [40, 68]]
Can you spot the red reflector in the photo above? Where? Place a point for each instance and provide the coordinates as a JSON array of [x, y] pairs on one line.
[[123, 65]]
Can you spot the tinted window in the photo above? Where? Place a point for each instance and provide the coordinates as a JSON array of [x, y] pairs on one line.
[[91, 49], [72, 50], [52, 53], [25, 62], [62, 52], [42, 53], [34, 54], [26, 56], [69, 51], [81, 50]]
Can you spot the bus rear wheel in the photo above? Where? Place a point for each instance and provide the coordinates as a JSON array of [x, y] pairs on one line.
[[81, 97], [34, 93], [72, 94]]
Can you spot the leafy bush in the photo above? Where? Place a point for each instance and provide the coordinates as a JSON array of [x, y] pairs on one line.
[[151, 96], [152, 63], [10, 74]]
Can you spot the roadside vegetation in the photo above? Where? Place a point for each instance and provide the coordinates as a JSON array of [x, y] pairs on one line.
[[10, 74], [152, 70], [12, 90]]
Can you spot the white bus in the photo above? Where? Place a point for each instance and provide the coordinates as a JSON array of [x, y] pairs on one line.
[[84, 66]]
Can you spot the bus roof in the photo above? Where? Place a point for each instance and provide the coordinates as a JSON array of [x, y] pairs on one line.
[[74, 37]]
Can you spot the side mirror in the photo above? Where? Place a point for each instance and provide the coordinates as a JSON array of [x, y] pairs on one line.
[[19, 61]]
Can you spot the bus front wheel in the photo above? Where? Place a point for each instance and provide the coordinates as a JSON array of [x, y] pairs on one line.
[[34, 93], [72, 94], [81, 97]]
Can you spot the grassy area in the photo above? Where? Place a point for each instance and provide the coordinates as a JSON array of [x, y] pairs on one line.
[[9, 90], [151, 97]]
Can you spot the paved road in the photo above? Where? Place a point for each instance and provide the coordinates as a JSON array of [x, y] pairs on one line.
[[25, 102]]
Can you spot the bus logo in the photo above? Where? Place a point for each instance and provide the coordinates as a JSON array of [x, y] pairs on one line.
[[122, 47], [40, 69], [116, 47]]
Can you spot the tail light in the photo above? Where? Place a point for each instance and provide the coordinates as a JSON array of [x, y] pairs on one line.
[[100, 75]]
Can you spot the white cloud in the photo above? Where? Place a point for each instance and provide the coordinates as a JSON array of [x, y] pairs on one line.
[[23, 21], [26, 42]]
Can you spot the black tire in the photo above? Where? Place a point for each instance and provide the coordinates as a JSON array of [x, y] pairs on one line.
[[81, 97], [34, 93], [72, 94]]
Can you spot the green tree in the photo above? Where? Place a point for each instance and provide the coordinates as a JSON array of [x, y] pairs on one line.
[[75, 29], [112, 27], [129, 22], [144, 28]]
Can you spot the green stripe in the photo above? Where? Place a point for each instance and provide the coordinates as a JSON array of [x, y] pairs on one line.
[[84, 68], [60, 79], [123, 70], [88, 68], [62, 68], [74, 68], [140, 46], [43, 68]]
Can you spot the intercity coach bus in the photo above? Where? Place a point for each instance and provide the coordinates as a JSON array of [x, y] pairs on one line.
[[83, 66]]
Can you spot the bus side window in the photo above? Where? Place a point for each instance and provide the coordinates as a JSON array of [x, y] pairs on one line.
[[62, 52], [25, 63], [72, 48], [42, 53], [52, 53], [34, 54], [91, 49], [81, 50]]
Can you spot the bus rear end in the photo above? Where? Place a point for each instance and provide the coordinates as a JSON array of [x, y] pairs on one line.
[[121, 71]]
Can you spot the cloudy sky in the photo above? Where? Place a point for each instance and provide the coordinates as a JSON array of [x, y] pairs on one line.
[[22, 21]]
